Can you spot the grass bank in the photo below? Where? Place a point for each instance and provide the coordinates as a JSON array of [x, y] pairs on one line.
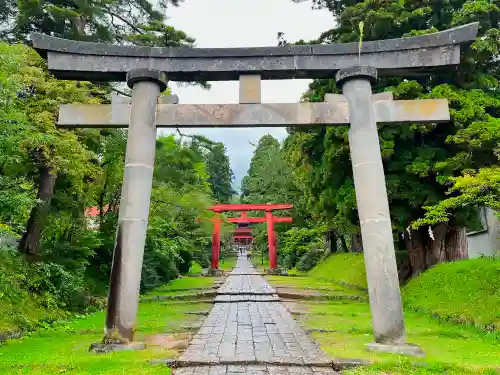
[[466, 291], [64, 348]]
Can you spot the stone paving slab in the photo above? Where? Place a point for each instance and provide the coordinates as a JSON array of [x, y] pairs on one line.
[[249, 331], [246, 284]]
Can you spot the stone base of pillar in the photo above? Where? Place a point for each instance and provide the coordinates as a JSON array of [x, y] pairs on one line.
[[276, 271], [212, 272], [402, 349], [101, 348]]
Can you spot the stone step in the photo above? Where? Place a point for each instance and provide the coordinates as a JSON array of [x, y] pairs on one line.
[[246, 298]]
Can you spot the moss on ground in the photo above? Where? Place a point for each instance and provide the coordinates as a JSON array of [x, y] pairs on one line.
[[64, 348]]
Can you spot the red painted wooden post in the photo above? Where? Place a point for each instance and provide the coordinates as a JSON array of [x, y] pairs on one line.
[[216, 245], [273, 261], [215, 260]]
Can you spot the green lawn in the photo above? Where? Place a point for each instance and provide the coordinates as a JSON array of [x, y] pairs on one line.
[[227, 264], [308, 283], [443, 343], [451, 349], [64, 349], [184, 285], [224, 264]]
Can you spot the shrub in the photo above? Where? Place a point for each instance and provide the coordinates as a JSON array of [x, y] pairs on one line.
[[310, 259], [297, 242]]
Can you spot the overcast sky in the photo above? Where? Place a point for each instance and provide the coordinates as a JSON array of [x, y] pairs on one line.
[[245, 23]]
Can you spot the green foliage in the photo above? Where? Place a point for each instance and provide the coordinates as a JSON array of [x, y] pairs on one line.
[[466, 291], [22, 309], [115, 21], [69, 259], [303, 247], [435, 173]]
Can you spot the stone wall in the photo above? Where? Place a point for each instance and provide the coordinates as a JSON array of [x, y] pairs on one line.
[[487, 242]]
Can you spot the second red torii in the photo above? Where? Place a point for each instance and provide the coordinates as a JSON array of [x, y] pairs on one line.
[[269, 219]]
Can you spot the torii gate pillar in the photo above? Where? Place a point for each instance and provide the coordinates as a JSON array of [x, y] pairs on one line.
[[273, 256], [125, 279], [373, 210], [215, 246]]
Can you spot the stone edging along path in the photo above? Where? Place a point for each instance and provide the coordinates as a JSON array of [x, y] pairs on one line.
[[249, 331]]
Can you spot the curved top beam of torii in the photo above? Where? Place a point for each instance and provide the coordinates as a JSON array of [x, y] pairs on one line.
[[104, 62], [249, 207]]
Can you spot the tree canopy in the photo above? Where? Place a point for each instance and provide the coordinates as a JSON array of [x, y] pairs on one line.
[[421, 162]]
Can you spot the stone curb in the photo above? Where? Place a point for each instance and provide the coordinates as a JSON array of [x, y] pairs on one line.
[[246, 293], [336, 364], [330, 297], [180, 296], [250, 300]]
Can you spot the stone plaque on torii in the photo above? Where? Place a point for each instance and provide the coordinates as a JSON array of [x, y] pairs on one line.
[[146, 69]]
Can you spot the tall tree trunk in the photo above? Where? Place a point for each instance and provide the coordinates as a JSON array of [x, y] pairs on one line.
[[356, 243], [436, 252], [416, 251], [331, 242], [345, 249], [456, 244], [31, 240]]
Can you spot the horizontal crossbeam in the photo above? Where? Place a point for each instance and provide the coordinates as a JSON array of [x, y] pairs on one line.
[[103, 62], [276, 219], [252, 115], [249, 207], [242, 237]]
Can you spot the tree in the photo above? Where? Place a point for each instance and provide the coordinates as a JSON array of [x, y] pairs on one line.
[[269, 178], [32, 139], [420, 160], [220, 173], [115, 21]]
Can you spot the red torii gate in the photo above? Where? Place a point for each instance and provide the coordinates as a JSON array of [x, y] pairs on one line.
[[269, 219]]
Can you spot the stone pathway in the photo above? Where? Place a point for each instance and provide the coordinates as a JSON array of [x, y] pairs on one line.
[[249, 331]]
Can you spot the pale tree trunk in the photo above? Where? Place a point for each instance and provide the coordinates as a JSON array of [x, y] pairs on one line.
[[356, 243], [30, 243], [456, 244], [436, 251], [416, 251]]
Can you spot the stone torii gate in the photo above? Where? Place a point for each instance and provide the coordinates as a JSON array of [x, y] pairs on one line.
[[146, 70], [269, 219]]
